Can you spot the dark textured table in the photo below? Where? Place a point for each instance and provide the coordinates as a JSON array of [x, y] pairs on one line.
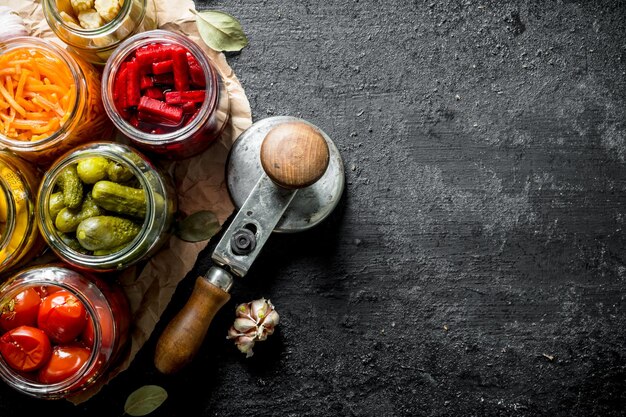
[[477, 263]]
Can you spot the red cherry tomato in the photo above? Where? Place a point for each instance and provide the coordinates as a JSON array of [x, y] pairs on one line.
[[88, 334], [25, 348], [64, 362], [62, 316], [21, 310]]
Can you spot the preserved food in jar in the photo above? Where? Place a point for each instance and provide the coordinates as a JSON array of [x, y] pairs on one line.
[[93, 29], [34, 360], [20, 240], [104, 206], [162, 92], [49, 100]]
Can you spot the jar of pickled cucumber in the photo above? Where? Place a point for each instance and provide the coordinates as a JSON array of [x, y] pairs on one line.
[[20, 240], [104, 206], [162, 92], [61, 330], [49, 100], [94, 28]]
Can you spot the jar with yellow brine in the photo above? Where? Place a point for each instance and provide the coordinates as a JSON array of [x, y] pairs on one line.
[[94, 28], [20, 240], [50, 100]]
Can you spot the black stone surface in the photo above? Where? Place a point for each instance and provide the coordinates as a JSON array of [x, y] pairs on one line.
[[476, 266]]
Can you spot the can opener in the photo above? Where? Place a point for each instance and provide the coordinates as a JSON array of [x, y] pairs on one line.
[[286, 175]]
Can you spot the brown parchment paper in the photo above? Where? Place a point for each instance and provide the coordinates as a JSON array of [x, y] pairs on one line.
[[199, 182]]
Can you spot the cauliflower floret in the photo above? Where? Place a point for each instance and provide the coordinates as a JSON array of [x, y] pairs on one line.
[[108, 9], [81, 5], [68, 19], [90, 19]]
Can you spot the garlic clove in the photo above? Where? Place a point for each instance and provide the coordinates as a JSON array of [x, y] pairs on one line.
[[243, 324], [259, 309], [271, 319], [243, 310], [245, 345], [233, 333]]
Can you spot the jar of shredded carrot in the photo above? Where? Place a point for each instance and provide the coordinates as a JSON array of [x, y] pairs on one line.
[[93, 29], [49, 100], [20, 240]]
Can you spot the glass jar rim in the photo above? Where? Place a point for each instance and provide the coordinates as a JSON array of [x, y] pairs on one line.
[[111, 150], [45, 275], [79, 80], [123, 51]]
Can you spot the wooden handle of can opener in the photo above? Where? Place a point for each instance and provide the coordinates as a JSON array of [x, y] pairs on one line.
[[184, 335]]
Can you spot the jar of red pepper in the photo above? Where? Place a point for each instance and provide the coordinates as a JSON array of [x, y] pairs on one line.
[[161, 91], [60, 330]]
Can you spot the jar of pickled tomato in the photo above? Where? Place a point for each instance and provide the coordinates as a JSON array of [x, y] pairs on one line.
[[20, 240], [93, 29], [60, 330], [104, 206], [49, 100], [161, 91]]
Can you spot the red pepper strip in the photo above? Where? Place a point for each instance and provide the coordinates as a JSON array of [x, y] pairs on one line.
[[182, 97], [195, 71], [132, 84], [189, 107], [163, 79], [162, 67], [146, 82], [181, 70], [119, 88], [155, 52], [160, 109], [154, 92]]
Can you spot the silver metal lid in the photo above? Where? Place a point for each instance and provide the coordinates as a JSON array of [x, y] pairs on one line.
[[311, 204]]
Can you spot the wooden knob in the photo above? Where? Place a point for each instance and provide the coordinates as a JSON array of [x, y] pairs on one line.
[[294, 155]]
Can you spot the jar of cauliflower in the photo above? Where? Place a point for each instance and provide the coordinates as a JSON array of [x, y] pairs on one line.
[[94, 28]]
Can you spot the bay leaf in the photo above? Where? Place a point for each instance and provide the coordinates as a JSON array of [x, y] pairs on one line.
[[201, 225], [145, 400], [220, 31]]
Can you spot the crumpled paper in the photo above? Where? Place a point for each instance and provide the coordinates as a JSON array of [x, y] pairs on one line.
[[199, 182]]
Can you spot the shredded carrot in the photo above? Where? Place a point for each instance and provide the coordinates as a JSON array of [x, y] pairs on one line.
[[21, 82], [12, 101], [37, 93]]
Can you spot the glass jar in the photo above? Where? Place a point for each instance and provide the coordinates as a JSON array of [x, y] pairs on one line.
[[54, 102], [122, 214], [104, 334], [20, 240], [96, 44], [193, 133]]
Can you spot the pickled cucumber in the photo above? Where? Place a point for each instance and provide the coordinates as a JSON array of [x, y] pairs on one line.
[[72, 187], [93, 169], [55, 205], [68, 219], [106, 232], [118, 172], [120, 198]]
